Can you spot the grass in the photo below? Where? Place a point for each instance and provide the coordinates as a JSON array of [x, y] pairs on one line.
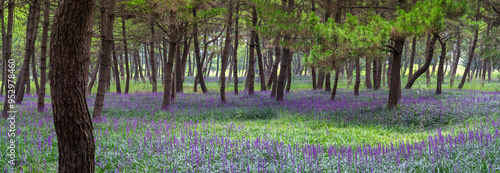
[[134, 133]]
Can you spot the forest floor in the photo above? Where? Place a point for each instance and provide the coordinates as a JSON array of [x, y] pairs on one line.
[[457, 131]]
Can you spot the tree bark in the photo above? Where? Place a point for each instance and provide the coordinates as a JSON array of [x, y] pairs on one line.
[[106, 39], [313, 75], [440, 74], [335, 84], [321, 79], [456, 59], [471, 57], [168, 72], [261, 65], [251, 59], [8, 53], [125, 51], [225, 53], [425, 67], [235, 50], [289, 73], [30, 48], [199, 65], [274, 72], [4, 66], [412, 56], [43, 56], [152, 59], [328, 82], [368, 67], [72, 121], [395, 86], [358, 77], [116, 72]]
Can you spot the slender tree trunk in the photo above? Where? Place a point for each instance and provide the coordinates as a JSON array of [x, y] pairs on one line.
[[225, 53], [4, 63], [251, 59], [328, 82], [358, 77], [30, 48], [107, 22], [412, 56], [425, 67], [335, 84], [289, 74], [406, 60], [456, 59], [485, 61], [72, 121], [235, 50], [261, 65], [395, 86], [94, 75], [471, 56], [168, 70], [139, 63], [8, 53], [116, 72], [283, 72], [368, 67], [199, 65], [182, 73], [43, 56], [274, 72], [152, 58], [125, 51]]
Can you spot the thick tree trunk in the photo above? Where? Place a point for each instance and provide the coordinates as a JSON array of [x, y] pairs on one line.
[[440, 74], [106, 31], [321, 79], [395, 86], [358, 77], [72, 121], [8, 53], [43, 56], [425, 67], [168, 72], [328, 84], [368, 67], [469, 62], [283, 72], [30, 48], [4, 66]]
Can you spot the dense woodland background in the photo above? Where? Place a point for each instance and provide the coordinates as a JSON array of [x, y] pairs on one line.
[[152, 45]]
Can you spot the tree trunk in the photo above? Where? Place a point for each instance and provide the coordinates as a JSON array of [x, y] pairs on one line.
[[4, 63], [383, 66], [125, 51], [152, 59], [376, 86], [406, 60], [116, 72], [283, 71], [395, 86], [412, 56], [199, 63], [251, 59], [440, 74], [328, 84], [274, 72], [225, 53], [261, 65], [30, 48], [289, 73], [235, 50], [428, 59], [321, 79], [168, 71], [72, 121], [8, 54], [358, 77], [335, 84], [182, 71], [43, 56], [368, 67], [471, 57], [456, 59], [313, 75], [107, 42]]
